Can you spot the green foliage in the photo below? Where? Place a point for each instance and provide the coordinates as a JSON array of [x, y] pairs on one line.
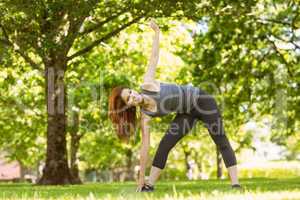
[[242, 60], [22, 114]]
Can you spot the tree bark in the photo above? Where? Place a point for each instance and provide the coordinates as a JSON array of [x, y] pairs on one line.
[[75, 141], [129, 172], [188, 166], [219, 164], [186, 159], [198, 161], [56, 170]]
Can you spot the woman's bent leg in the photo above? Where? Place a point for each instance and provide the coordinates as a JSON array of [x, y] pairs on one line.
[[178, 128]]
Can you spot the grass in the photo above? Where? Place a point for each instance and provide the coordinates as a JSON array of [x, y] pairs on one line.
[[269, 169], [255, 188]]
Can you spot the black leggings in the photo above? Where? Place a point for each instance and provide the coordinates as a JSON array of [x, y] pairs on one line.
[[206, 111]]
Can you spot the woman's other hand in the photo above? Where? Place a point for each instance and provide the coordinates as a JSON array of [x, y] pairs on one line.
[[154, 26]]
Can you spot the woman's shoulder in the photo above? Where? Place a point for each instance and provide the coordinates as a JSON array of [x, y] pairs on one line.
[[153, 86], [156, 86]]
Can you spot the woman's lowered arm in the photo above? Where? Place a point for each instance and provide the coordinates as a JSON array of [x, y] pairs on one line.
[[144, 150]]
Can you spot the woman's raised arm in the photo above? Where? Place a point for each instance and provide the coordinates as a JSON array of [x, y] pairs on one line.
[[150, 73]]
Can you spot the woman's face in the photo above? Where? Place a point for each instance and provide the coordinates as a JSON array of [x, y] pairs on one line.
[[131, 97]]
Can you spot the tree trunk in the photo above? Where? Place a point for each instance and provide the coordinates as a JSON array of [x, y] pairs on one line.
[[75, 141], [22, 170], [56, 170], [188, 166], [219, 164], [198, 161], [186, 160], [129, 172]]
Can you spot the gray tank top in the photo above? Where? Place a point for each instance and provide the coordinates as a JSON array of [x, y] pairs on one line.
[[172, 98]]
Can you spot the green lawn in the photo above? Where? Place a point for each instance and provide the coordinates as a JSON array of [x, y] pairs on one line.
[[256, 188]]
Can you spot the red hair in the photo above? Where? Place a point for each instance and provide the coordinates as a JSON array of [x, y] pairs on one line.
[[122, 116]]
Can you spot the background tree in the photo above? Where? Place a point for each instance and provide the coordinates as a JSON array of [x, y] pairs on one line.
[[252, 65], [48, 38]]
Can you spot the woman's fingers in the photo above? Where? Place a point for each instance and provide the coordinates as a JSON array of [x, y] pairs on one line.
[[139, 189], [153, 25]]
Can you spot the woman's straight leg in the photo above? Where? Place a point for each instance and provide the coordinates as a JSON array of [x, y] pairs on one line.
[[208, 112]]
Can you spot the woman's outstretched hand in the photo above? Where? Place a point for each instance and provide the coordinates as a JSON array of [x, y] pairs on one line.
[[154, 26]]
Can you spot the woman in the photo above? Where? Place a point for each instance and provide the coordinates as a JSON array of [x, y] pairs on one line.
[[158, 99]]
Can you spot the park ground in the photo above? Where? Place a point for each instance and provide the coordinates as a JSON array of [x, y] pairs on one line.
[[278, 180], [253, 188]]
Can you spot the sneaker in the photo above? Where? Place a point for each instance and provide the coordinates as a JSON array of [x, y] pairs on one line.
[[147, 188], [236, 186]]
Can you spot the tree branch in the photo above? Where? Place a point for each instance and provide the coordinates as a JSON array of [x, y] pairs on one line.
[[293, 30], [296, 46], [21, 53], [107, 36], [7, 42], [282, 58], [275, 21], [294, 20], [76, 24], [100, 24]]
